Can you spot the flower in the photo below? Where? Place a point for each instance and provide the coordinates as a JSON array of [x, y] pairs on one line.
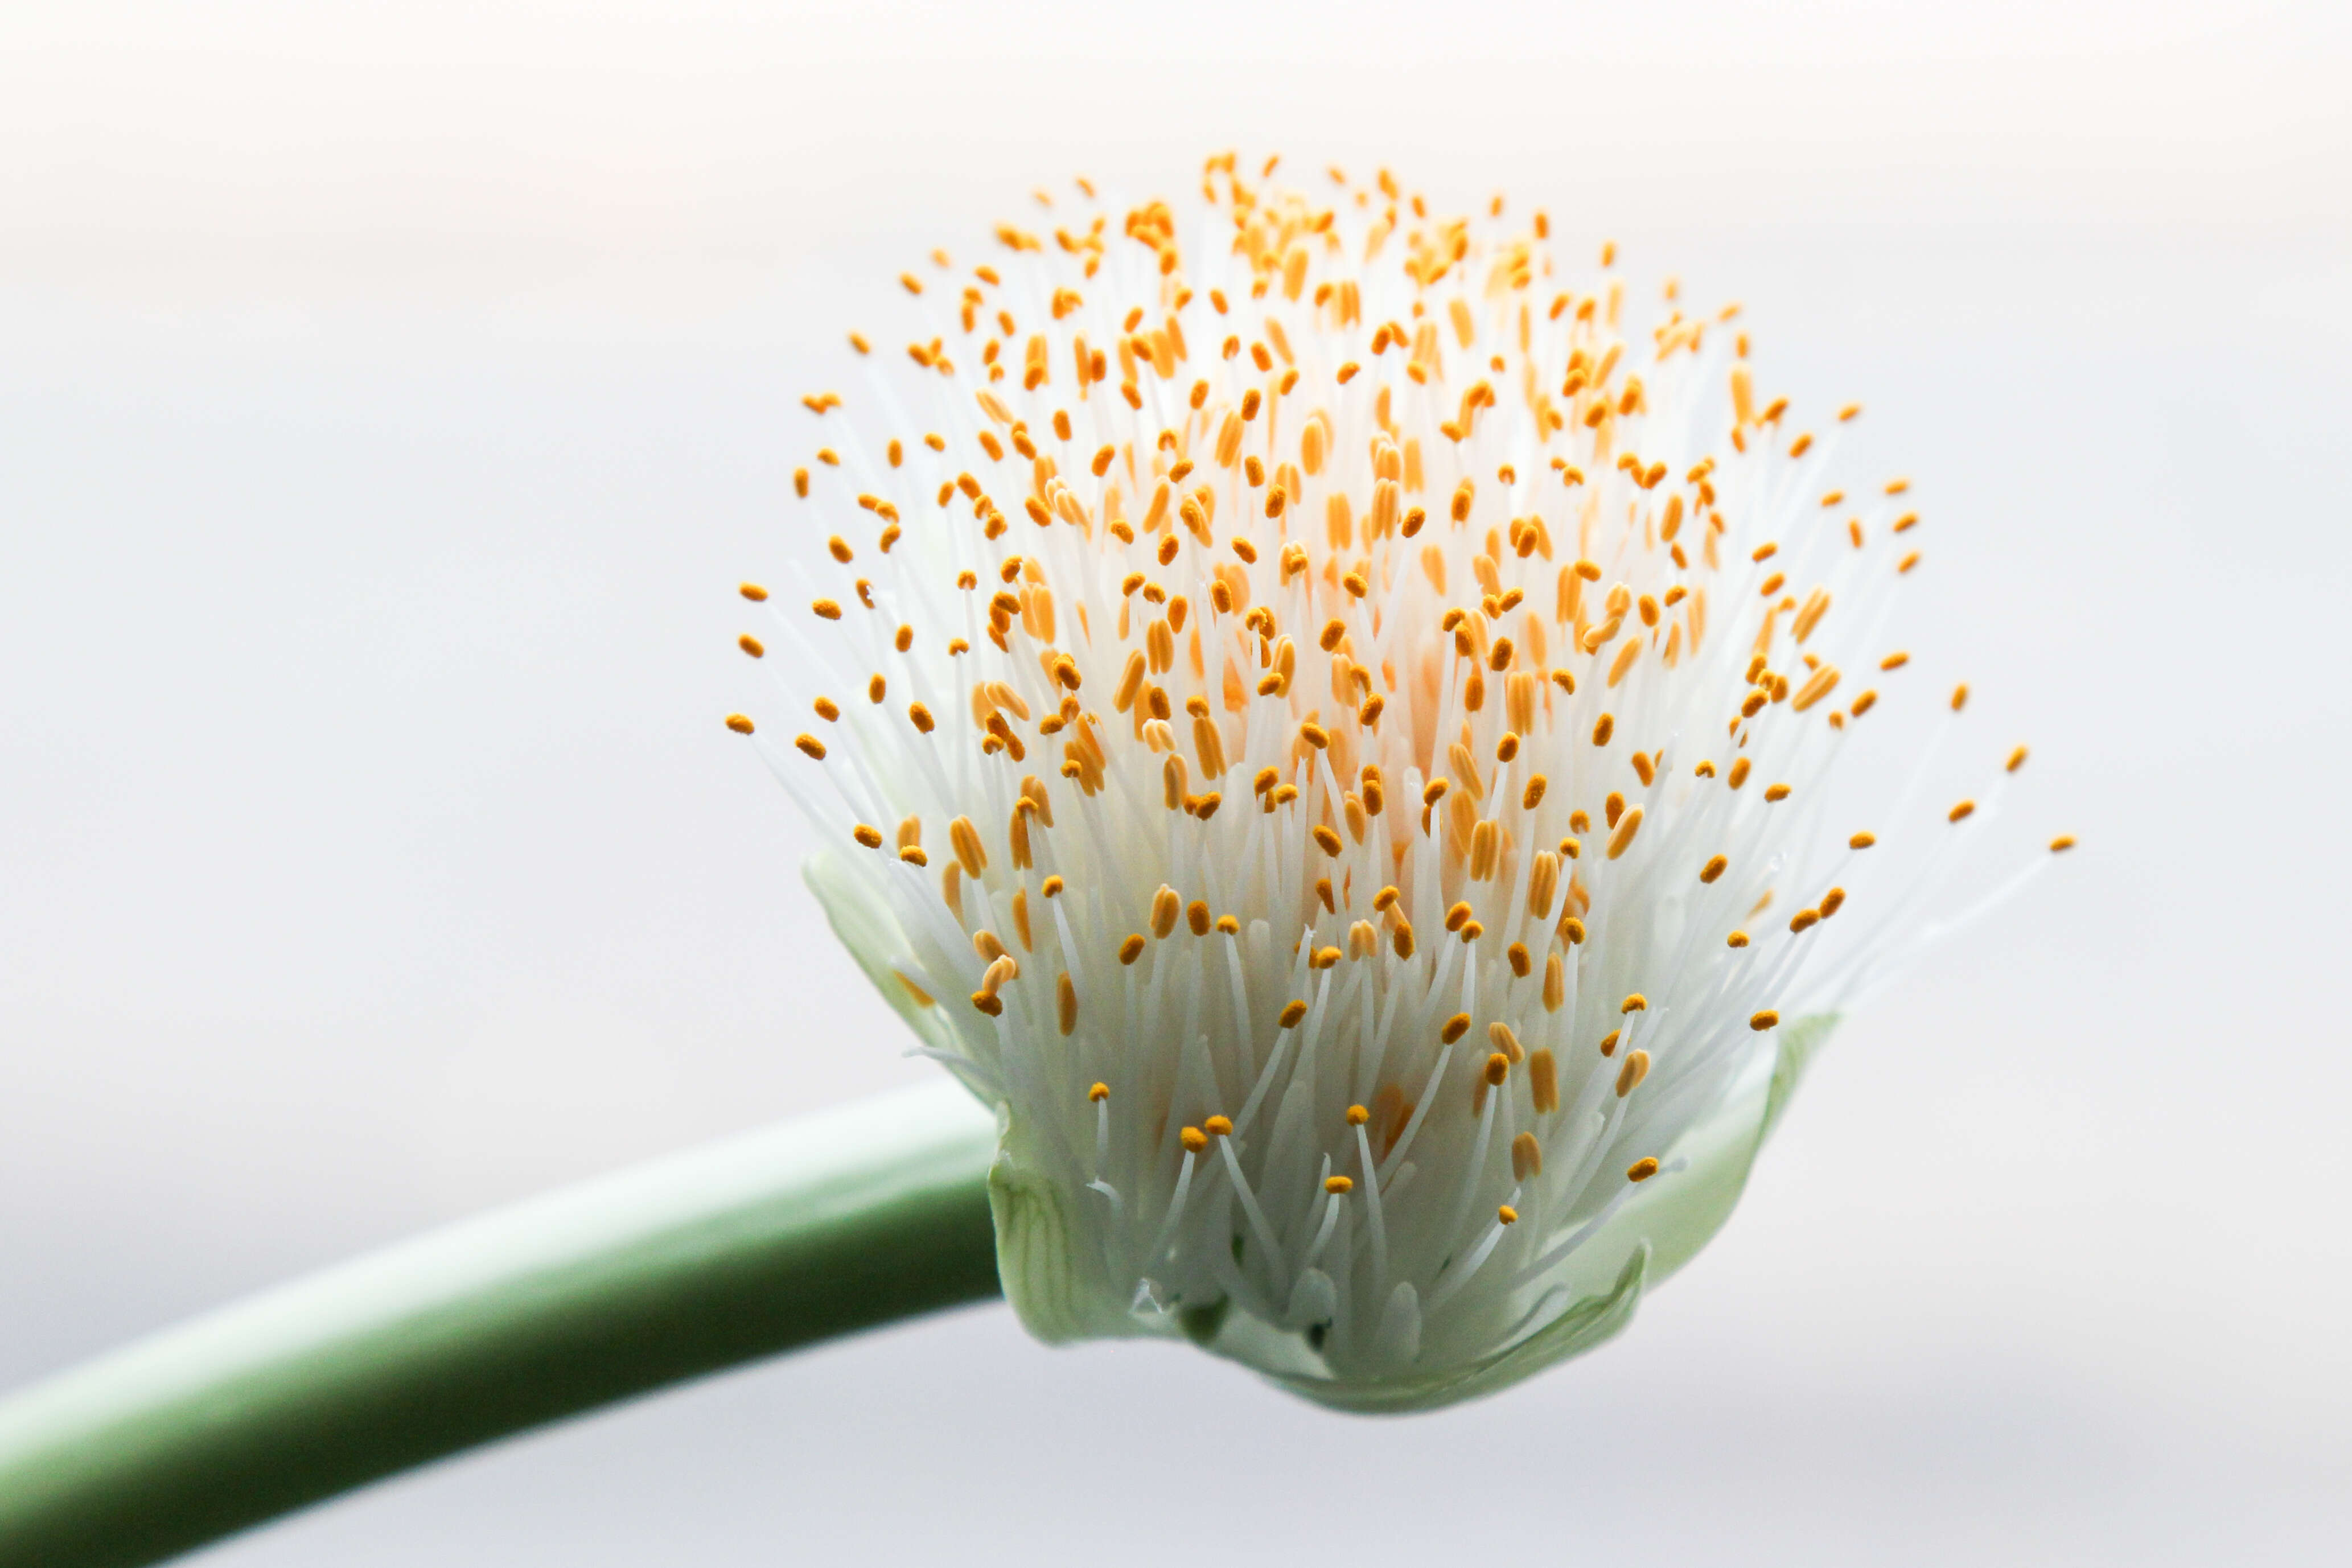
[[1323, 723]]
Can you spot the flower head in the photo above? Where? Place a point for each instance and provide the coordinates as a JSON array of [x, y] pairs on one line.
[[1323, 722]]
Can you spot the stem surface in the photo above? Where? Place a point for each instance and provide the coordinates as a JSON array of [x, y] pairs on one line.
[[625, 1283]]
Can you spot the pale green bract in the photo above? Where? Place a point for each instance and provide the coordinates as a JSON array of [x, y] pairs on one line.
[[1647, 1241]]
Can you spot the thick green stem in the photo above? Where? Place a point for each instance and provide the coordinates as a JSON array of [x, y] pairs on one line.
[[556, 1306]]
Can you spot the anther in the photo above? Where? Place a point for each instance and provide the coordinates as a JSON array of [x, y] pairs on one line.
[[1543, 1082], [1527, 1158], [1636, 1067], [1766, 1020], [1642, 1169]]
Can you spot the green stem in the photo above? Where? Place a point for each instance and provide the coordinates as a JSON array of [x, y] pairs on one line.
[[558, 1306]]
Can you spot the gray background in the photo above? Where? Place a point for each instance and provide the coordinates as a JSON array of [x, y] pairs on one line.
[[389, 398]]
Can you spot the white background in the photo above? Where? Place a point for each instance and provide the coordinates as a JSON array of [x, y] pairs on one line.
[[391, 395]]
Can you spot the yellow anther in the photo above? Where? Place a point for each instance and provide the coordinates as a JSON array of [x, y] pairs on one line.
[[1642, 1169], [1636, 1067], [1527, 1158], [1194, 1139], [1543, 1082], [1219, 1127], [1358, 1115], [1766, 1020], [1099, 1093], [1337, 1186], [1507, 1215], [1454, 1029]]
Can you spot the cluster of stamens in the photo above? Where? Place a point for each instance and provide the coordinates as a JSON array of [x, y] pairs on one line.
[[1340, 706]]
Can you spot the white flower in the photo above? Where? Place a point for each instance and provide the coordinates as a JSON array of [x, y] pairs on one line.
[[1325, 723]]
